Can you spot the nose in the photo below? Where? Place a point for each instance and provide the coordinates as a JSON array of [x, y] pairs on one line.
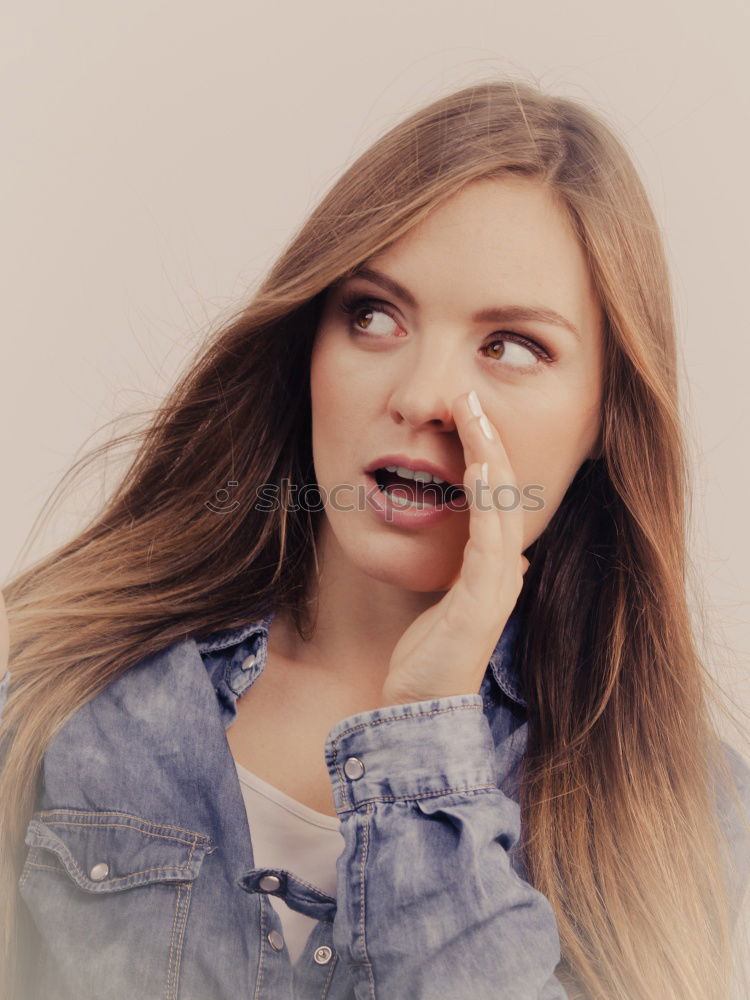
[[425, 390]]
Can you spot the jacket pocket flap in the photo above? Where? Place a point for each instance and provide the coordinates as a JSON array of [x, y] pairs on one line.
[[109, 851]]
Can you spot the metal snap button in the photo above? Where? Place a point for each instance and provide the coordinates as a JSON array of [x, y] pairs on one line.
[[354, 768], [99, 871], [323, 955], [269, 882], [276, 940]]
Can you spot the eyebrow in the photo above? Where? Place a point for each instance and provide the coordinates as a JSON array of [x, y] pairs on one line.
[[493, 314]]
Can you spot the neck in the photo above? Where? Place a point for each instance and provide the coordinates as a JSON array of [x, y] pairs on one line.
[[357, 621]]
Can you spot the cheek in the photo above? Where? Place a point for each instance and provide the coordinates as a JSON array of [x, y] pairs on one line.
[[343, 388], [546, 446], [328, 386], [339, 401], [330, 366]]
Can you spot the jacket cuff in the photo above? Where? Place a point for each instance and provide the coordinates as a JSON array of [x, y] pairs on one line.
[[413, 751]]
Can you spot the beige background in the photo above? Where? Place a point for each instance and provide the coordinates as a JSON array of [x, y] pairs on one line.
[[159, 154]]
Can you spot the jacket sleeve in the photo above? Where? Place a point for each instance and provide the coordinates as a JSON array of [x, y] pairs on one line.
[[428, 904]]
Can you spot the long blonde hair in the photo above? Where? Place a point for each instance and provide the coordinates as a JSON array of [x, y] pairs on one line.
[[618, 826]]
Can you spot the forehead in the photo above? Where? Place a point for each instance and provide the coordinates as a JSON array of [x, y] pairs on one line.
[[496, 241]]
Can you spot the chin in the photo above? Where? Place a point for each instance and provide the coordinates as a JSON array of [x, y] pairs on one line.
[[422, 564], [410, 577]]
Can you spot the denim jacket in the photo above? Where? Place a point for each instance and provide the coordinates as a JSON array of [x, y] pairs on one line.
[[140, 879]]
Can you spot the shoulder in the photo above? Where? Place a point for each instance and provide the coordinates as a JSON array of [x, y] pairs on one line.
[[4, 687], [737, 771], [733, 809]]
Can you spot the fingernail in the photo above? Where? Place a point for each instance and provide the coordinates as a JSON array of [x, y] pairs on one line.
[[474, 405], [486, 473], [486, 429]]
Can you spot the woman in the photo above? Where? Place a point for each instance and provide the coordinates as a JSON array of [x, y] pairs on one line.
[[403, 550]]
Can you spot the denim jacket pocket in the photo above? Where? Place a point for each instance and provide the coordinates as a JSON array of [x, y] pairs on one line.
[[109, 894]]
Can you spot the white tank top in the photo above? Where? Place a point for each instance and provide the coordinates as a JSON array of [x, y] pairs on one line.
[[287, 834]]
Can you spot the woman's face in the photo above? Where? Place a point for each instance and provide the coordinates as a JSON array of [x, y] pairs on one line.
[[384, 378]]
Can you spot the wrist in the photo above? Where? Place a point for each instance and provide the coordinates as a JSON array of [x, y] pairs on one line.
[[401, 696], [392, 696]]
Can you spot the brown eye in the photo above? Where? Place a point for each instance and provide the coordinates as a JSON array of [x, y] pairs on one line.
[[369, 314], [356, 307], [514, 351], [496, 343]]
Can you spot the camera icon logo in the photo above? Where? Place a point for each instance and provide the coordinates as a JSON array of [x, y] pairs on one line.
[[222, 503]]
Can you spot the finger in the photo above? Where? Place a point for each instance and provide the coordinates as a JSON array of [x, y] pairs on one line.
[[467, 425], [479, 582], [482, 442]]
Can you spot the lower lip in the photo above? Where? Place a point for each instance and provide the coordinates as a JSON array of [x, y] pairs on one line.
[[406, 517]]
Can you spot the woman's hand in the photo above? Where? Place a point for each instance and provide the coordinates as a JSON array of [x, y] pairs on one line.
[[4, 638], [445, 651]]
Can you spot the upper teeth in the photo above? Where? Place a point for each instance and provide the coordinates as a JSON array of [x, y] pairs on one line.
[[419, 474]]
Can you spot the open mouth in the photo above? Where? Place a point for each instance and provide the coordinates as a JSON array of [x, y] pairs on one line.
[[412, 493]]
